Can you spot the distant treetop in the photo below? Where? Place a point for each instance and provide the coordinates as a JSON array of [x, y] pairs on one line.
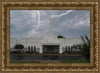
[[60, 36]]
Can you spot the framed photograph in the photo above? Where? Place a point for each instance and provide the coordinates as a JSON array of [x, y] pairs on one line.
[[49, 36]]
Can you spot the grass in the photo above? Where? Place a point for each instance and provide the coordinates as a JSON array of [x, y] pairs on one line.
[[74, 61], [24, 61], [62, 61]]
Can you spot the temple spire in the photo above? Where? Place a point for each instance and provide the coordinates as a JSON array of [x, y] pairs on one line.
[[50, 30], [50, 20]]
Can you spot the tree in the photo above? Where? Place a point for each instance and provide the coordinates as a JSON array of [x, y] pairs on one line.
[[18, 46], [79, 46], [60, 36], [85, 47]]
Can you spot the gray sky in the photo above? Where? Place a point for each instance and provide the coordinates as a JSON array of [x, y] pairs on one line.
[[35, 23]]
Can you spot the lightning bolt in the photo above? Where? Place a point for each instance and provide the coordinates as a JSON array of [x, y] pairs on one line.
[[62, 14], [38, 12]]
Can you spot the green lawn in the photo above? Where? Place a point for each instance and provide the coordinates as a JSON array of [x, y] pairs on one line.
[[24, 61], [62, 61], [74, 61]]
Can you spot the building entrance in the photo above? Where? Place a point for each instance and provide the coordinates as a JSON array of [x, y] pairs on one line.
[[50, 49]]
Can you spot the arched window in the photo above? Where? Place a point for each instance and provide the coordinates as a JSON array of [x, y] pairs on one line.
[[66, 47], [31, 48], [34, 48], [28, 48]]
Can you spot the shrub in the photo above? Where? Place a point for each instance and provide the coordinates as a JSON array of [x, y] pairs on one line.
[[18, 46]]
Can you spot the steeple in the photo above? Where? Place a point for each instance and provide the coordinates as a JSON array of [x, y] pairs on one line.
[[50, 35], [50, 29], [50, 20]]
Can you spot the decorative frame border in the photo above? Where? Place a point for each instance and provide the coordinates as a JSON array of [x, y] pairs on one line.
[[92, 6]]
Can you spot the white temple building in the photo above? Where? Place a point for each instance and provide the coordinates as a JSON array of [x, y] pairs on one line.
[[47, 44]]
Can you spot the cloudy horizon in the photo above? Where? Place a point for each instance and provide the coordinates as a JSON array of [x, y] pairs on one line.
[[35, 23]]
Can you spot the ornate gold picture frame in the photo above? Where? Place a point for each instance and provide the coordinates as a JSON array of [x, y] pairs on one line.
[[6, 6]]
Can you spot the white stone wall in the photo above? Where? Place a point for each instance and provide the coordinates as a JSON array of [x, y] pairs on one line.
[[38, 42]]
